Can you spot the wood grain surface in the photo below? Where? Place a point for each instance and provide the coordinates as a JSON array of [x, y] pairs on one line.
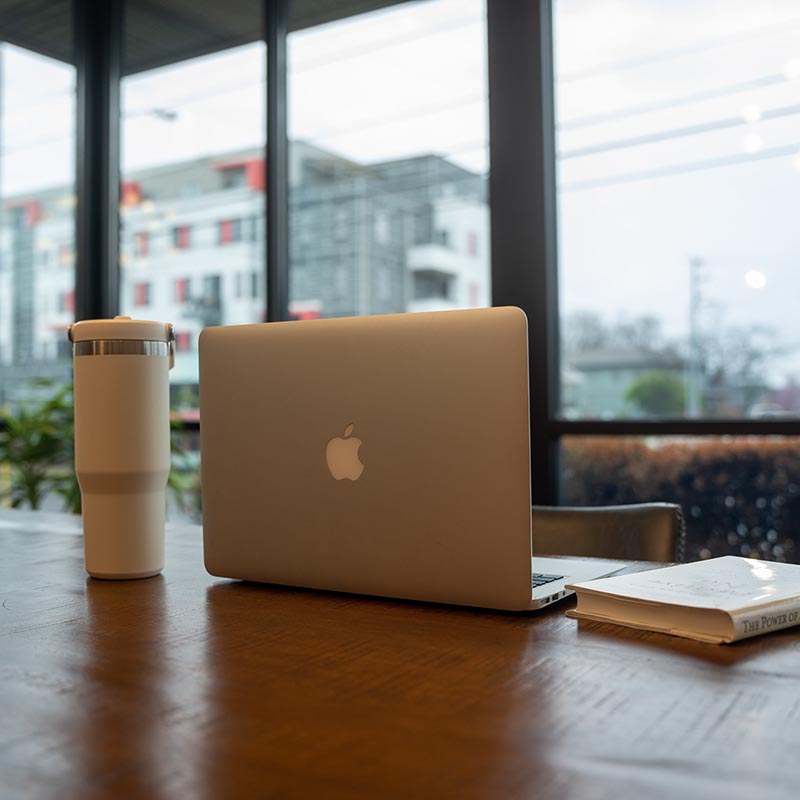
[[186, 686]]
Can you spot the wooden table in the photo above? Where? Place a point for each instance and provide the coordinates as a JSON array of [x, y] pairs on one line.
[[185, 686]]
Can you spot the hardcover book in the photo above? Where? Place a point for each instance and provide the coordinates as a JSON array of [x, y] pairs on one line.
[[720, 600]]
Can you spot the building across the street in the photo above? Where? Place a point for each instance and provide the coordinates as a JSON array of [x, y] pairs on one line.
[[404, 235]]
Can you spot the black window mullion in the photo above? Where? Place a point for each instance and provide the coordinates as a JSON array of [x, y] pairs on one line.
[[98, 55], [677, 427], [276, 15], [522, 190]]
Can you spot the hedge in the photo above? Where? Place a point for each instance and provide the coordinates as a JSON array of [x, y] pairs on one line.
[[740, 495]]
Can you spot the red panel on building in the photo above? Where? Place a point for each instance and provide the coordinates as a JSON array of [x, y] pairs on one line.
[[256, 174], [130, 194], [226, 231], [182, 237], [141, 294], [182, 341], [181, 290], [308, 313], [33, 212]]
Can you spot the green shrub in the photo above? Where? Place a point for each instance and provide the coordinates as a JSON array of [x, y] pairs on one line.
[[37, 450]]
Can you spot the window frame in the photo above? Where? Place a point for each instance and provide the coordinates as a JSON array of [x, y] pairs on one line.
[[523, 208]]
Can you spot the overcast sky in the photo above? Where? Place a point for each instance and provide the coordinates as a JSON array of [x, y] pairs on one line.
[[412, 80]]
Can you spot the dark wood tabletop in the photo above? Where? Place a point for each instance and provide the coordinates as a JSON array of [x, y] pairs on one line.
[[186, 686]]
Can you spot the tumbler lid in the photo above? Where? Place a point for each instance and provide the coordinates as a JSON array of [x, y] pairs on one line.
[[124, 329], [120, 328]]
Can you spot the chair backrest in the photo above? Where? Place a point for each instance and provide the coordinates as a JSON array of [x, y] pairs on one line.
[[641, 532]]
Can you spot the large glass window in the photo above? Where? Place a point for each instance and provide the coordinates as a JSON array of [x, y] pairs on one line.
[[192, 201], [388, 161], [37, 222], [678, 139]]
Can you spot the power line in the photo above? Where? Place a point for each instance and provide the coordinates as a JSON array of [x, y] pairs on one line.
[[673, 102], [680, 169], [676, 133]]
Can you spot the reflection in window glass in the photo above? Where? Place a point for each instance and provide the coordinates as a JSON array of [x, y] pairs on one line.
[[37, 222], [740, 495], [388, 161], [678, 139]]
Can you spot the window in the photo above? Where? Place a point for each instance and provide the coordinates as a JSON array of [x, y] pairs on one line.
[[428, 285], [233, 177], [141, 294], [37, 216], [677, 148], [183, 341], [181, 237], [383, 157], [673, 137], [66, 301], [677, 162], [181, 290], [230, 230], [193, 138]]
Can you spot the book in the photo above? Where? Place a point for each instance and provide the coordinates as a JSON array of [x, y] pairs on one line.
[[719, 600]]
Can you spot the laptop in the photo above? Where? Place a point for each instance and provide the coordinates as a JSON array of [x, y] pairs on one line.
[[385, 455]]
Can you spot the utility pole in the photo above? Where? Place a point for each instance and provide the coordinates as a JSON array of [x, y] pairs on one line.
[[695, 301]]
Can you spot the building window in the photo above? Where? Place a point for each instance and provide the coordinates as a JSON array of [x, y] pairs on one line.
[[181, 292], [431, 286], [234, 177], [183, 341], [230, 231], [441, 237], [141, 294], [66, 301], [252, 229], [181, 237], [141, 243]]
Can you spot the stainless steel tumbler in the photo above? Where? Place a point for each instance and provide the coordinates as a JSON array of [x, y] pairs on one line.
[[122, 442]]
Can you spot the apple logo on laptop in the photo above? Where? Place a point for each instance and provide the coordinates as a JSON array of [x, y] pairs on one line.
[[342, 456]]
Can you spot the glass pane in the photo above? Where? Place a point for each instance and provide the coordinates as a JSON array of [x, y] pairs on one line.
[[192, 199], [37, 223], [37, 256], [388, 165], [192, 248], [679, 169], [740, 495]]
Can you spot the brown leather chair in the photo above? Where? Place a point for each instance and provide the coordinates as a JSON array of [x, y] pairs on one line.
[[641, 532]]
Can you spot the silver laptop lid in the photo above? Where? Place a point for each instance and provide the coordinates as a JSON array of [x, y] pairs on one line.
[[435, 408]]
